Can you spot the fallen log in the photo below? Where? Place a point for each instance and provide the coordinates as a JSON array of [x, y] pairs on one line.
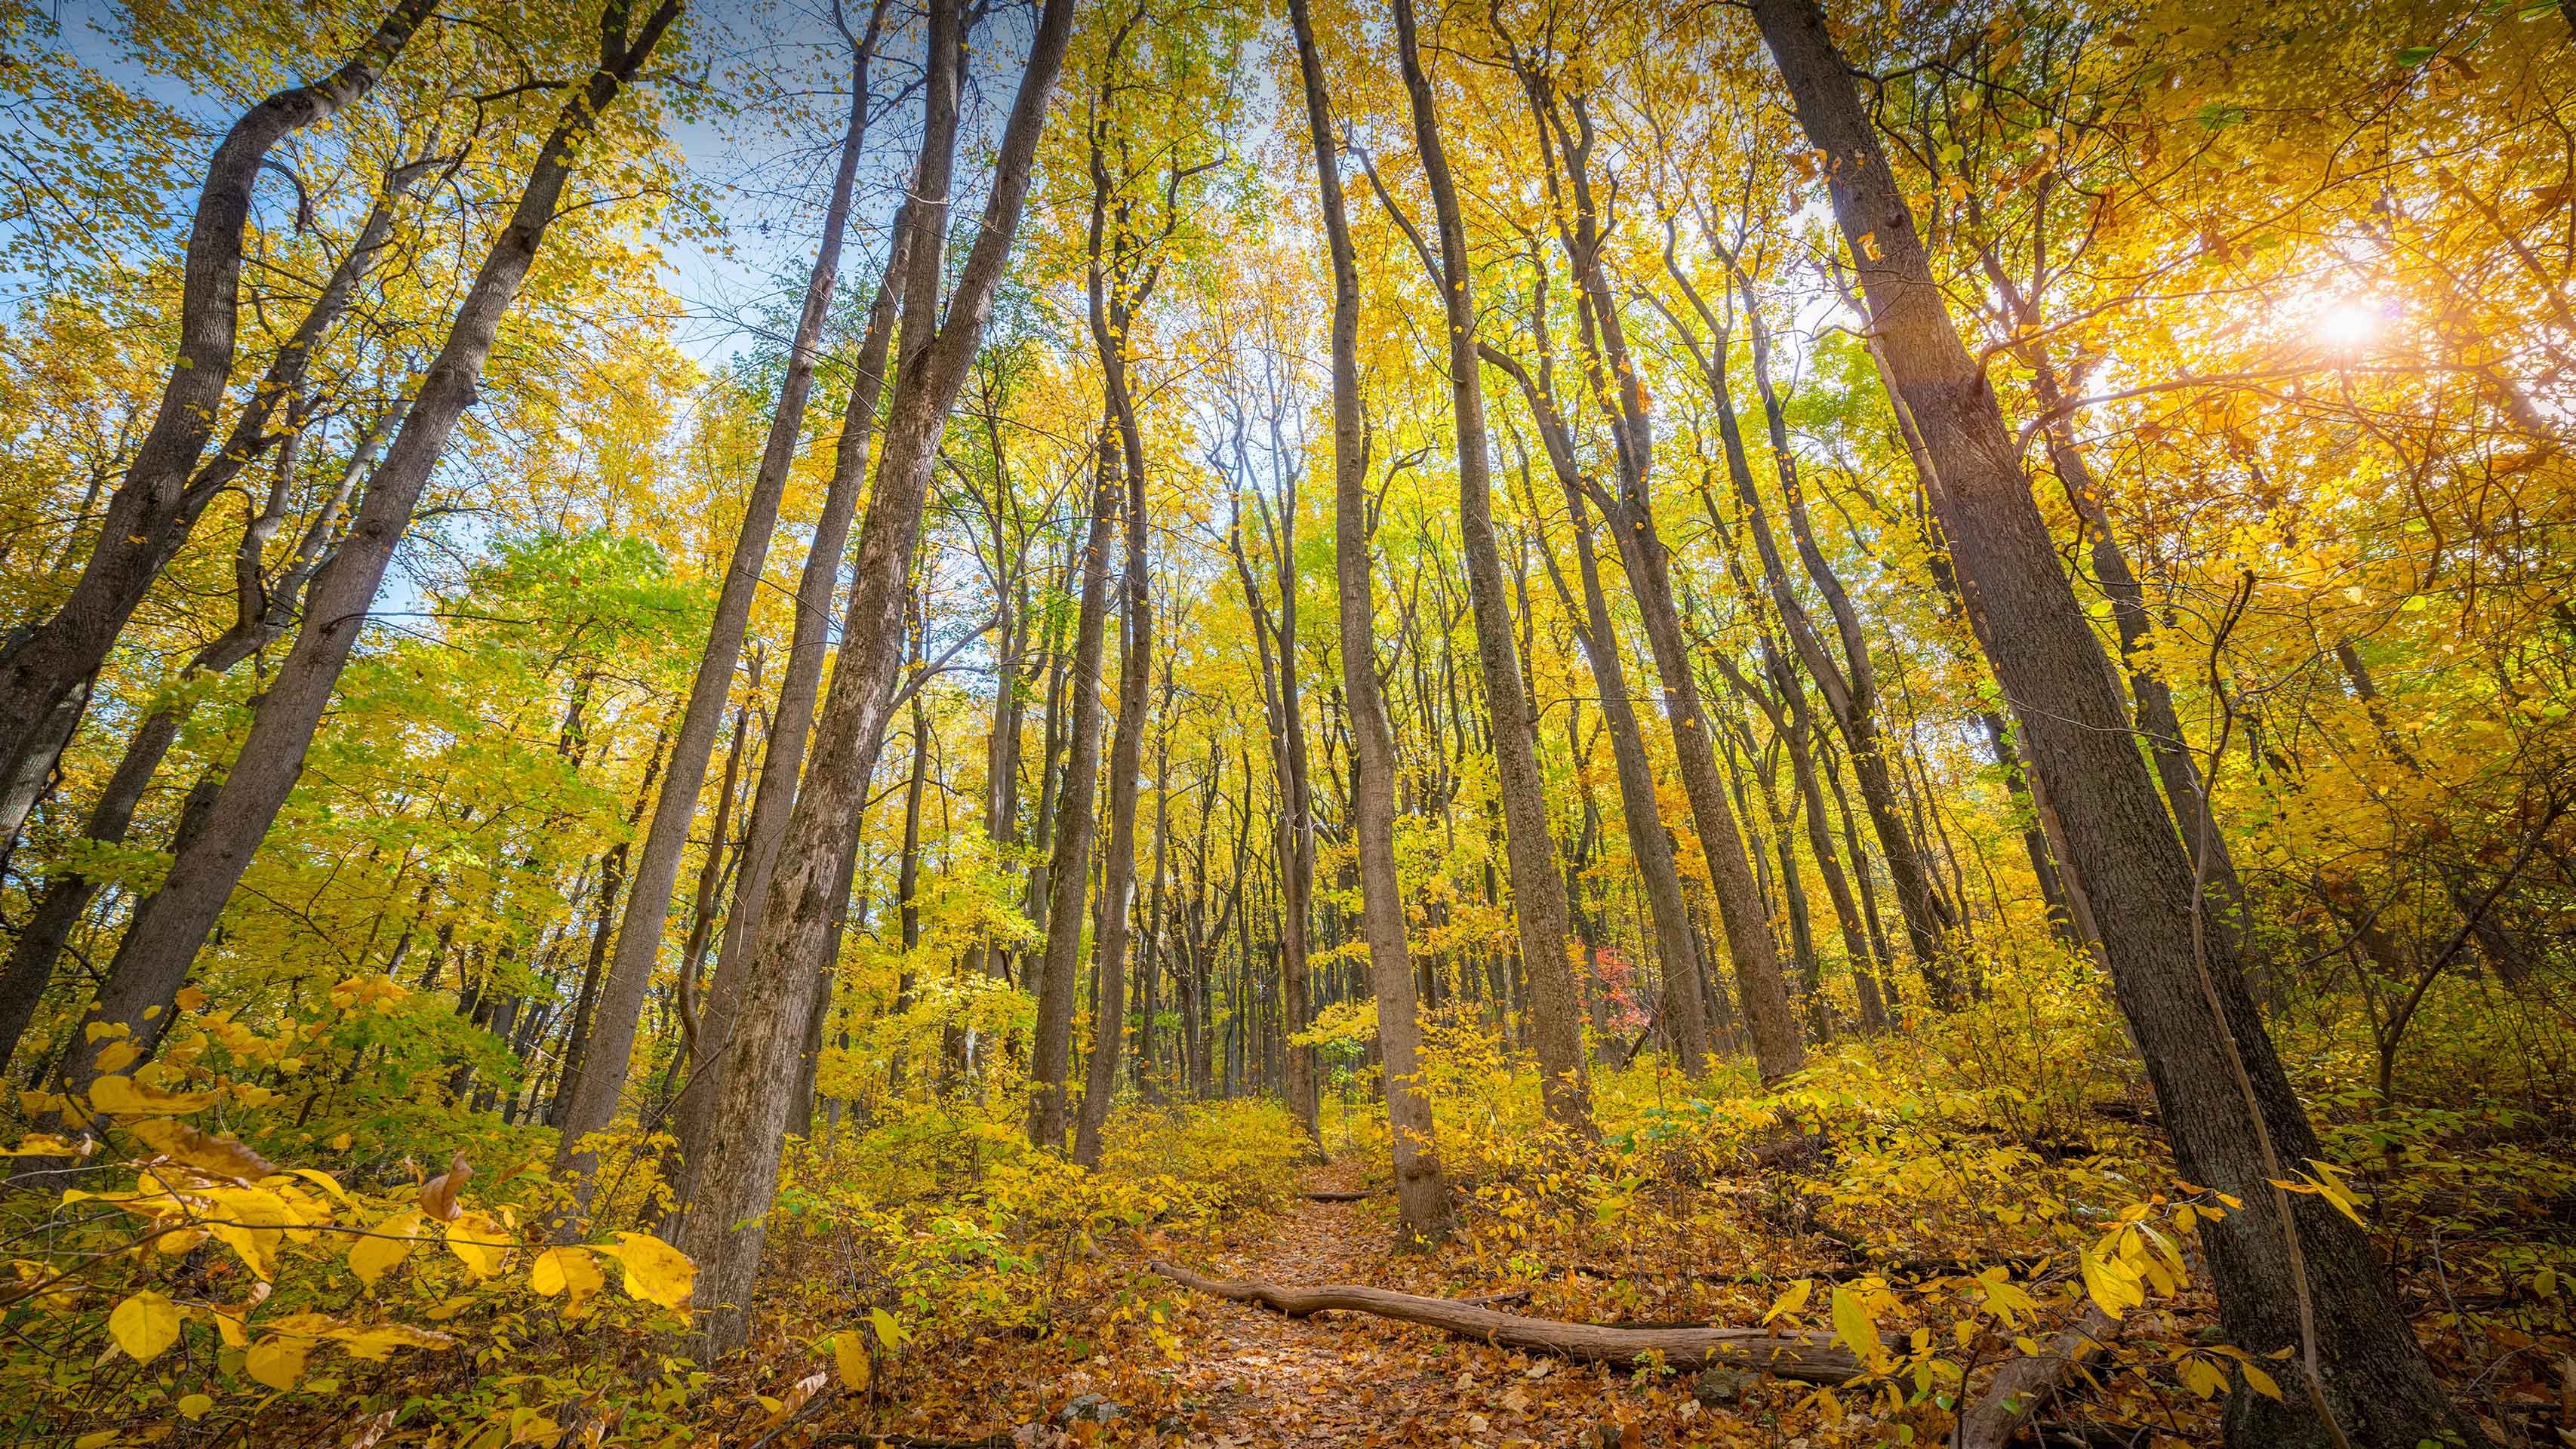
[[2014, 1395], [1807, 1357]]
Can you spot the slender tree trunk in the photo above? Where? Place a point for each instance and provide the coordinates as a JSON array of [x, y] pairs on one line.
[[774, 796], [1422, 1203], [1849, 684], [1685, 1016], [1118, 871], [1051, 1055], [2291, 1272], [727, 1226], [1538, 891], [657, 868], [161, 943]]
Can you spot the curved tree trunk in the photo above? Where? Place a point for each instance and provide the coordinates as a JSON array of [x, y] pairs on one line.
[[1803, 1357], [262, 609], [150, 513], [1069, 871], [153, 960]]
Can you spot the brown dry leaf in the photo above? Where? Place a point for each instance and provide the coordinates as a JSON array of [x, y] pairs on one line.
[[204, 1151], [438, 1195]]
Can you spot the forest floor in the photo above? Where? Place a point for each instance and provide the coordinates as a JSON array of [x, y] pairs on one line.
[[1233, 1375]]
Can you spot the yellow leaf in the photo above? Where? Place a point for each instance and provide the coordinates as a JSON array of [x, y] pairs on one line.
[[387, 1243], [193, 1407], [887, 1333], [655, 1271], [2112, 1285], [570, 1271], [479, 1241], [191, 999], [2261, 1382], [850, 1355], [378, 1343], [1852, 1324], [96, 1439], [117, 1056], [204, 1151], [279, 1362], [124, 1096], [325, 1181], [254, 1222], [144, 1325], [2202, 1377], [1793, 1300], [43, 1144]]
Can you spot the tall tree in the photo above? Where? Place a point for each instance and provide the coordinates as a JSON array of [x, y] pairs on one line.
[[727, 1226], [152, 960], [44, 671], [1538, 890], [2292, 1273], [605, 1058], [774, 796]]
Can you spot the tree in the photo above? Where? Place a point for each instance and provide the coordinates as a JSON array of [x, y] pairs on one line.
[[2291, 1271], [726, 1229], [1538, 892], [605, 1057], [153, 958]]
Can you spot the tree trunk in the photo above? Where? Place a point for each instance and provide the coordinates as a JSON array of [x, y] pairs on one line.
[[1422, 1203], [727, 1225], [162, 941], [774, 796], [1849, 684], [657, 868], [1051, 1055], [1538, 891], [2291, 1272], [1651, 845]]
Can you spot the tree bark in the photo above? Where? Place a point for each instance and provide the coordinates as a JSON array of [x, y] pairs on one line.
[[2291, 1272], [1684, 1015], [1619, 387], [1850, 684], [727, 1227]]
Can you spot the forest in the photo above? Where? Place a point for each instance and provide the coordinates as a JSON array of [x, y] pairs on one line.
[[979, 724]]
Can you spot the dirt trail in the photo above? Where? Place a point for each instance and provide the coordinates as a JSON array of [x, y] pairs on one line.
[[1254, 1377]]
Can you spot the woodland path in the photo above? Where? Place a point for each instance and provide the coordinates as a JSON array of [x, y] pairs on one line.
[[1260, 1377], [1254, 1377]]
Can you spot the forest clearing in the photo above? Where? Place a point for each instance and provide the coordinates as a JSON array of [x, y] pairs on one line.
[[1790, 723]]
